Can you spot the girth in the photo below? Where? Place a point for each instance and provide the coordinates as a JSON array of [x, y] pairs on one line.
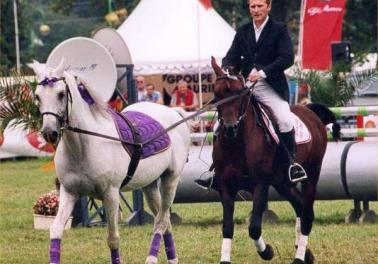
[[135, 154]]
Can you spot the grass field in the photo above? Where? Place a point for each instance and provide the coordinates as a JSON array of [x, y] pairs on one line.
[[198, 238]]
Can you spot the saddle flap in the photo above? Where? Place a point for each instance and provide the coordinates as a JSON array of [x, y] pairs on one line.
[[302, 134]]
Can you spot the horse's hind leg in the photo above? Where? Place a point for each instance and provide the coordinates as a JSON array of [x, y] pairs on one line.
[[260, 199], [111, 204], [294, 197], [153, 197], [66, 205], [303, 254], [162, 225]]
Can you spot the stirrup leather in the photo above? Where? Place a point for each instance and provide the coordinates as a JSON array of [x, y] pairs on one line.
[[296, 168]]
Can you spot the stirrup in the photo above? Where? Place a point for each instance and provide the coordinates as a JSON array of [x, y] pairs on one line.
[[297, 171], [207, 183]]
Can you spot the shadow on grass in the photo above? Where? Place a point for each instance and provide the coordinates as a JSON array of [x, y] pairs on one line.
[[210, 222]]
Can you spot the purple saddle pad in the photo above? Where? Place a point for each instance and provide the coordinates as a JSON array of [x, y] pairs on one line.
[[146, 126]]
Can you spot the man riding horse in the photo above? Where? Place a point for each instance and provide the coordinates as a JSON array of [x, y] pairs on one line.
[[262, 50]]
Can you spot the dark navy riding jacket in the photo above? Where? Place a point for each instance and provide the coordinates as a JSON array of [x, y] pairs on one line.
[[273, 53]]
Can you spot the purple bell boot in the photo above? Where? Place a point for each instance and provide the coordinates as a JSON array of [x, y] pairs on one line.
[[55, 251], [170, 247], [115, 256], [155, 245]]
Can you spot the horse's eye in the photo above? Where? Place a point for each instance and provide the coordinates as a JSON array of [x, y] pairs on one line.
[[60, 96]]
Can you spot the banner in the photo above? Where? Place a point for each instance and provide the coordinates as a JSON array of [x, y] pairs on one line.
[[321, 24]]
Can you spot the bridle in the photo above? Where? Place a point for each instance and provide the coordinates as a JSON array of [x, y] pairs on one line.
[[50, 82], [242, 112]]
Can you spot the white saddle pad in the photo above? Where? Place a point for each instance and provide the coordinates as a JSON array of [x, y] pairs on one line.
[[302, 134]]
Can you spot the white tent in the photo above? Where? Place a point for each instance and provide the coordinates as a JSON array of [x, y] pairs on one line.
[[175, 36]]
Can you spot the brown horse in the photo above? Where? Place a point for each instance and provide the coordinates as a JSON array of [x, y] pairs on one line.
[[244, 159]]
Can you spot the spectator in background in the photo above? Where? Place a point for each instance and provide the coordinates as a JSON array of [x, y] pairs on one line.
[[141, 85], [184, 97], [152, 95]]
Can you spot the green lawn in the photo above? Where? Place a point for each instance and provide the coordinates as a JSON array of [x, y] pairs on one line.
[[198, 238]]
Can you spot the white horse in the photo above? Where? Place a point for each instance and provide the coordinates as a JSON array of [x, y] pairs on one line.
[[95, 166]]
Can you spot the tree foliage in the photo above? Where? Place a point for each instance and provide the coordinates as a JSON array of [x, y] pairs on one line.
[[68, 18]]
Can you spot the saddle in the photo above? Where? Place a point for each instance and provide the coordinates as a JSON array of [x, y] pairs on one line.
[[266, 120], [137, 128]]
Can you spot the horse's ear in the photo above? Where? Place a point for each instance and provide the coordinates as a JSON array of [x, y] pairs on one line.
[[218, 71], [38, 68], [60, 69]]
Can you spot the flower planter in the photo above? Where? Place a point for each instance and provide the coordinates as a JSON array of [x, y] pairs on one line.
[[45, 221]]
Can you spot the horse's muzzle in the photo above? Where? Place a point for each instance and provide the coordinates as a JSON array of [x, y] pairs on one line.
[[50, 135], [231, 130]]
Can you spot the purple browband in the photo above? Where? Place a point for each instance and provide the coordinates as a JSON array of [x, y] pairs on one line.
[[50, 81]]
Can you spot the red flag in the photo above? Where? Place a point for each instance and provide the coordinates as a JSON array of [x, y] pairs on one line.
[[321, 25], [206, 4]]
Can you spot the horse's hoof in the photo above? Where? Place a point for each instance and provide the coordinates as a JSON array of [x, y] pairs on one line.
[[309, 257], [151, 260], [173, 261], [297, 261], [268, 253]]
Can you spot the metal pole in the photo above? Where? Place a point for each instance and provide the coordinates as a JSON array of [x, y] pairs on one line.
[[300, 42], [16, 35], [199, 55]]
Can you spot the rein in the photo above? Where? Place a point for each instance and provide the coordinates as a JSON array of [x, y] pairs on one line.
[[162, 132]]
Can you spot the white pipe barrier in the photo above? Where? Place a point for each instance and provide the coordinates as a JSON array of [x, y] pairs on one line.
[[349, 171], [338, 111], [345, 133]]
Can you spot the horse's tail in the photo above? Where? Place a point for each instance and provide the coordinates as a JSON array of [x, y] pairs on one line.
[[192, 124], [327, 117]]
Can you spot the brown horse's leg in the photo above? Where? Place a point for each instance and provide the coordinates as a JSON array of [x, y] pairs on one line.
[[260, 200], [293, 196], [228, 203]]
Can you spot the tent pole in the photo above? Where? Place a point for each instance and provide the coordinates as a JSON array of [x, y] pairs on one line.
[[199, 56], [300, 39]]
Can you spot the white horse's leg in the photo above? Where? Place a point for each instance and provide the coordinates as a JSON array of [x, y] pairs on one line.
[[111, 204], [66, 205], [153, 198], [162, 225]]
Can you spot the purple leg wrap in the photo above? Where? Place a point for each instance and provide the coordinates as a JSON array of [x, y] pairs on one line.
[[169, 246], [55, 251], [115, 256], [155, 245]]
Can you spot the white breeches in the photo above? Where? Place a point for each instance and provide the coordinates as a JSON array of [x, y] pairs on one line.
[[265, 94]]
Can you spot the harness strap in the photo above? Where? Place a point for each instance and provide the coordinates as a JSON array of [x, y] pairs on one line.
[[135, 156]]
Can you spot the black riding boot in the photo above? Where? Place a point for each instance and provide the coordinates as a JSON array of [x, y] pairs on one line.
[[295, 171]]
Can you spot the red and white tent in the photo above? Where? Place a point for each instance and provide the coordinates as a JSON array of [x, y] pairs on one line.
[[175, 36]]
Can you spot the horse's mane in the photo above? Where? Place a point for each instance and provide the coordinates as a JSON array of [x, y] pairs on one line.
[[99, 105]]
